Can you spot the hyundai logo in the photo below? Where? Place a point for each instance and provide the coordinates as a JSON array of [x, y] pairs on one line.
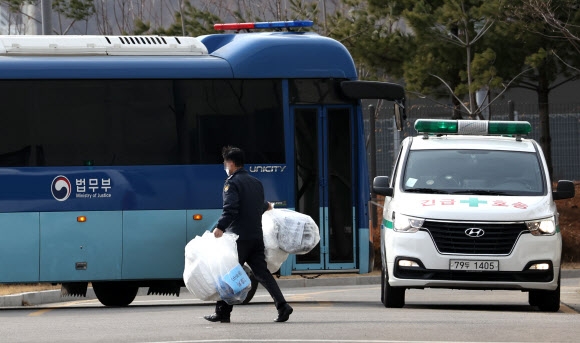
[[474, 232]]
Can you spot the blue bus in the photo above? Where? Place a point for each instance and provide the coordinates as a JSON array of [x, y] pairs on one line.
[[110, 151]]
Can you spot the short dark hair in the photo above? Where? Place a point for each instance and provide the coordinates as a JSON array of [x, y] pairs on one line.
[[236, 155]]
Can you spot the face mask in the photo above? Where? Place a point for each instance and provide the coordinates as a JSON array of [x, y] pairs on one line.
[[227, 171]]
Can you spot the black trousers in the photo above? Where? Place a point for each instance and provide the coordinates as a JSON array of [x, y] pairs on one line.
[[252, 253]]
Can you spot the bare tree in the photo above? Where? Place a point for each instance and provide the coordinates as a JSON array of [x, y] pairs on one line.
[[17, 15], [122, 16], [546, 10], [108, 17], [559, 16]]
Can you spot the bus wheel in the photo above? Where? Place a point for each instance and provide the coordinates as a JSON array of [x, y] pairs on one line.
[[548, 301], [392, 297], [252, 291], [117, 294]]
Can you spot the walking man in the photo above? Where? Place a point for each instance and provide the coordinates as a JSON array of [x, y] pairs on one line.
[[243, 206]]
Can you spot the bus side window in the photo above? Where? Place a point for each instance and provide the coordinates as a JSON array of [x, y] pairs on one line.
[[244, 113], [40, 160], [18, 158]]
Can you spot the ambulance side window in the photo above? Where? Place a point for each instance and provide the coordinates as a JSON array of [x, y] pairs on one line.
[[394, 175]]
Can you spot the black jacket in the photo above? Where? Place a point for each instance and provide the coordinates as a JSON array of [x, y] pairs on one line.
[[243, 206]]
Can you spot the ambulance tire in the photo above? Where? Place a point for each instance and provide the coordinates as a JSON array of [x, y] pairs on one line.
[[382, 285], [115, 293], [533, 298], [391, 297], [548, 301], [254, 282]]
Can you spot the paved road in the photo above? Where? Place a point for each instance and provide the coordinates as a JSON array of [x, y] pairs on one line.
[[331, 313]]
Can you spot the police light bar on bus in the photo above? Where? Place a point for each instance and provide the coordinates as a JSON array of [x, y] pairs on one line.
[[264, 25]]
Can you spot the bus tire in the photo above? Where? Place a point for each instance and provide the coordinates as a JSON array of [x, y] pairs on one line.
[[392, 297], [115, 294], [548, 301], [254, 282]]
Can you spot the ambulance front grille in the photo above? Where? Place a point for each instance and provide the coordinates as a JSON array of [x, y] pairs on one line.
[[497, 238]]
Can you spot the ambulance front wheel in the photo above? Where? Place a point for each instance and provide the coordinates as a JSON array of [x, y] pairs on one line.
[[391, 297], [546, 301], [533, 298]]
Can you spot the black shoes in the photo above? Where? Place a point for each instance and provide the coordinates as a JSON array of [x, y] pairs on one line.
[[284, 313], [218, 318]]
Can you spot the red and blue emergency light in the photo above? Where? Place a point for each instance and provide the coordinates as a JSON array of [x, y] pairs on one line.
[[264, 25]]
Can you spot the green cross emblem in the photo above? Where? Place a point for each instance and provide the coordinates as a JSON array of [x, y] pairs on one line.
[[473, 202]]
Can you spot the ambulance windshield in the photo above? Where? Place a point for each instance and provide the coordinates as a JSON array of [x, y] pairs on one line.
[[484, 172]]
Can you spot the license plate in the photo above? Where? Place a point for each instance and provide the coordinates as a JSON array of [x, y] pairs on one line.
[[490, 266]]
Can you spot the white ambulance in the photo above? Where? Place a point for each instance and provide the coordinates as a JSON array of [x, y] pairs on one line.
[[470, 205]]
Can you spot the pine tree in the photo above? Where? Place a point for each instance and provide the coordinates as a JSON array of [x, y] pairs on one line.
[[535, 43], [460, 46], [373, 38], [73, 10]]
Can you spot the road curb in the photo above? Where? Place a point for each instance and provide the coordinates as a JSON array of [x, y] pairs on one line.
[[570, 273]]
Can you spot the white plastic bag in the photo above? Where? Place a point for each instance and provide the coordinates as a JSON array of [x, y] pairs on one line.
[[212, 271], [274, 255], [197, 272], [297, 232], [233, 287]]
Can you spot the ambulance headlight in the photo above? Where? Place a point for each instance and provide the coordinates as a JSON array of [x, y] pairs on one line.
[[403, 223], [542, 227]]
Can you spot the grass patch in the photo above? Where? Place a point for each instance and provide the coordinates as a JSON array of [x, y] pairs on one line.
[[23, 288]]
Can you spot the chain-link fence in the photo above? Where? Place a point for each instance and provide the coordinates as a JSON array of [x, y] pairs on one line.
[[564, 129]]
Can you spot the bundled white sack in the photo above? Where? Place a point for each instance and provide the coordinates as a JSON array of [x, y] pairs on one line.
[[297, 232], [274, 255], [197, 272], [212, 271]]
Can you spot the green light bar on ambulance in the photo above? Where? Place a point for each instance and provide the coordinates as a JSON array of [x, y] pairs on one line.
[[509, 128], [472, 127], [435, 126]]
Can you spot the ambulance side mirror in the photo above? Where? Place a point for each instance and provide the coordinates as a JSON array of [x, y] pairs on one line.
[[381, 186], [564, 190]]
